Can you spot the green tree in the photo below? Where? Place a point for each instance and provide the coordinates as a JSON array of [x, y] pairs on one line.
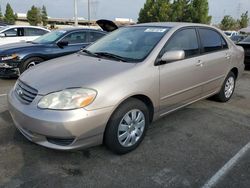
[[1, 14], [9, 16], [199, 11], [154, 11], [181, 11], [176, 11], [44, 16], [228, 23], [244, 20], [34, 16]]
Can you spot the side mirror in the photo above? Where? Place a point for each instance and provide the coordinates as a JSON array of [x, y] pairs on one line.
[[62, 44], [172, 56], [2, 35]]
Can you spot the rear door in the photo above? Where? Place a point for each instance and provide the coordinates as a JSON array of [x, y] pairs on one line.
[[31, 34], [215, 59], [180, 81]]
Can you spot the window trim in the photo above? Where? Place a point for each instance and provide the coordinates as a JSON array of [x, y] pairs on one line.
[[221, 36], [169, 39]]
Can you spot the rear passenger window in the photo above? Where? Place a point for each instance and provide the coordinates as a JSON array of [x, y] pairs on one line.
[[93, 36], [184, 40], [34, 32], [76, 38], [211, 41]]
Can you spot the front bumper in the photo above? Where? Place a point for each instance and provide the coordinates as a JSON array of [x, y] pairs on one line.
[[9, 69], [62, 130], [9, 72]]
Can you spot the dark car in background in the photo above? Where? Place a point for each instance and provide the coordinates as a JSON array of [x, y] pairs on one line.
[[237, 38], [16, 58], [246, 45]]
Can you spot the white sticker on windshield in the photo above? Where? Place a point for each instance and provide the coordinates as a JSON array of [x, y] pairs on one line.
[[155, 30], [62, 31]]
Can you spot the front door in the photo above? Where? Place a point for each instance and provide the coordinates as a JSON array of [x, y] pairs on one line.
[[180, 81], [12, 35], [75, 40]]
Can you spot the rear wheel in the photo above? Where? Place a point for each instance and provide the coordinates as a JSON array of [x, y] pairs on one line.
[[127, 126], [31, 62], [227, 89]]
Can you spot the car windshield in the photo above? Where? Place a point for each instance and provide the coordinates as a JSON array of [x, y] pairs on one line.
[[246, 39], [130, 44], [50, 37]]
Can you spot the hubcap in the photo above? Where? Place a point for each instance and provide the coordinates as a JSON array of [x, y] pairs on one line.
[[229, 87], [131, 128]]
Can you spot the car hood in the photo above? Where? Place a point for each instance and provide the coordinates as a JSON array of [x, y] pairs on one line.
[[107, 25], [17, 46], [72, 71]]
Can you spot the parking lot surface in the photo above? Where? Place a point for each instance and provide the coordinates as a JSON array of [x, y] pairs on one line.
[[202, 145]]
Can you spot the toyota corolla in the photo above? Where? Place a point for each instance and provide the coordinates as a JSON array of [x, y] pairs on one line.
[[111, 91]]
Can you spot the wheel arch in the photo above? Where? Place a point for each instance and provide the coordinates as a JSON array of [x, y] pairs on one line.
[[142, 97], [235, 71], [33, 56]]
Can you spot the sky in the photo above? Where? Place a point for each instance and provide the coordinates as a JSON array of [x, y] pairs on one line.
[[111, 9]]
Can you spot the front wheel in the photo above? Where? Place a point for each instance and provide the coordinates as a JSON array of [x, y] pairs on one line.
[[31, 62], [227, 89], [127, 126]]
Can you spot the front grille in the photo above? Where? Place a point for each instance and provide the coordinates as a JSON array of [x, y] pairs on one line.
[[60, 141], [25, 93]]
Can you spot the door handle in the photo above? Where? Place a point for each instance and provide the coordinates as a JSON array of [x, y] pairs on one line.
[[199, 63]]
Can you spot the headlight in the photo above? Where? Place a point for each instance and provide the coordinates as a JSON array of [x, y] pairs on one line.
[[9, 57], [68, 99]]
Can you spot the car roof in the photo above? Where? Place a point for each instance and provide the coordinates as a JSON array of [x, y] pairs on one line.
[[172, 24], [25, 26], [69, 29]]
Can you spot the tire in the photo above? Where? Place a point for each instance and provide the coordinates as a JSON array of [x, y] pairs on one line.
[[122, 135], [29, 63], [228, 85]]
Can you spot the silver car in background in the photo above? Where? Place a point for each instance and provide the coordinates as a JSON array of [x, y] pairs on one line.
[[111, 91]]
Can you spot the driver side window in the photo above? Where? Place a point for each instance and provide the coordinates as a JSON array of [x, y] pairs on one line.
[[185, 40], [76, 38]]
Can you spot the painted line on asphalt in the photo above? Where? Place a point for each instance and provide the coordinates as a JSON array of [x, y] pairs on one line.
[[226, 168], [3, 95]]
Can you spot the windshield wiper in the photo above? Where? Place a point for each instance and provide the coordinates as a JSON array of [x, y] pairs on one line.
[[113, 56], [89, 53]]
